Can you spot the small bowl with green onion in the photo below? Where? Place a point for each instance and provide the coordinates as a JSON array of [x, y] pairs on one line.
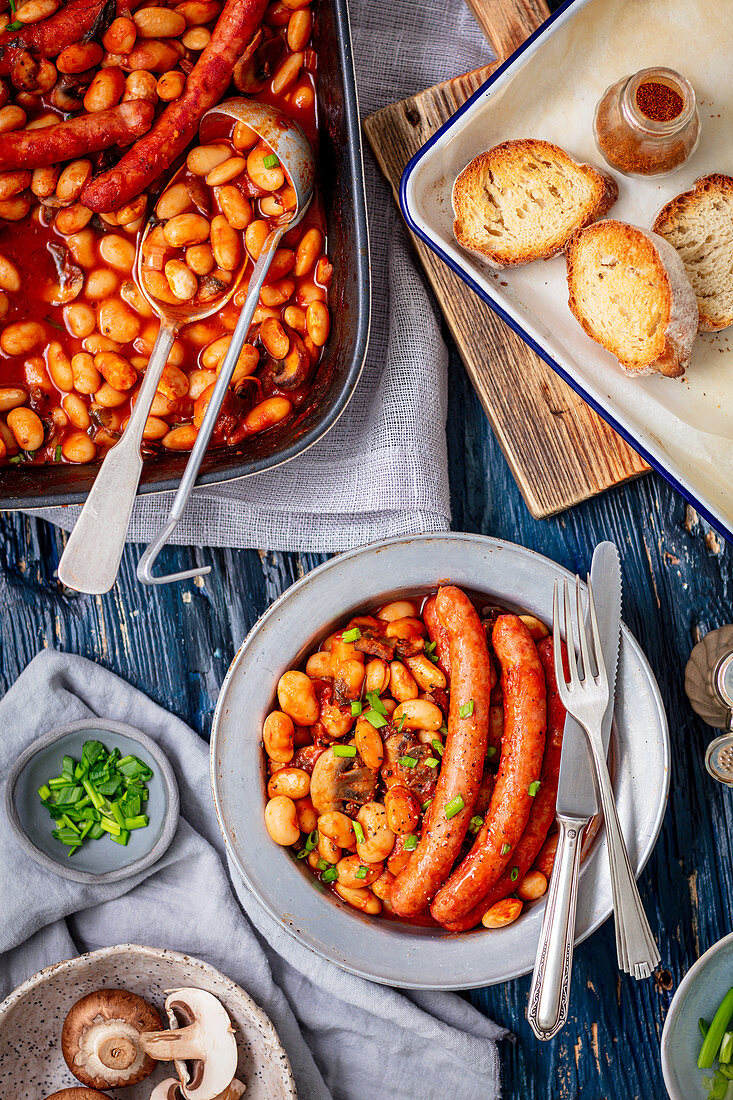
[[93, 801], [697, 1041]]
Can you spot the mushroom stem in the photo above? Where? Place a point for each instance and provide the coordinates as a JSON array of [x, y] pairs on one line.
[[201, 1043]]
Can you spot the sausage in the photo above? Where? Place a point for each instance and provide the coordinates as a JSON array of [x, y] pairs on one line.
[[463, 756], [75, 138], [525, 719], [542, 813], [74, 22], [438, 634], [546, 859], [177, 125]]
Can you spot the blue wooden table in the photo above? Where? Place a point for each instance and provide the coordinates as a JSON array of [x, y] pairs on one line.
[[175, 644]]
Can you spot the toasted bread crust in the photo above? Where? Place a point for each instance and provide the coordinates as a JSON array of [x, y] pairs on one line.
[[670, 308], [472, 195], [669, 221]]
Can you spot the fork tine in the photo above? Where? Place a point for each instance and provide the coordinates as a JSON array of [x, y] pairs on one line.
[[582, 634], [557, 639], [602, 679], [569, 641]]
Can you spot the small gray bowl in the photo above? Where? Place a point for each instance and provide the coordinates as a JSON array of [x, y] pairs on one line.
[[101, 860]]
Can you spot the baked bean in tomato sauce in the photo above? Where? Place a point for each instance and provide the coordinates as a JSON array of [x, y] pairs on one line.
[[76, 332]]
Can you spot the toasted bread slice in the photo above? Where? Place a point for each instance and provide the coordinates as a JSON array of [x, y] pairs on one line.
[[699, 225], [630, 292], [522, 200]]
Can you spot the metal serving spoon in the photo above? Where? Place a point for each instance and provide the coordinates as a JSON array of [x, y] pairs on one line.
[[92, 556]]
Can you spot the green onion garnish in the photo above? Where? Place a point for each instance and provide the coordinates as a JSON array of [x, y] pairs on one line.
[[57, 453], [351, 635], [16, 458], [356, 708], [375, 719], [311, 841], [344, 750], [376, 703], [443, 729], [430, 652], [301, 854], [360, 872], [454, 806], [410, 843], [359, 832], [533, 788], [466, 709], [491, 752], [271, 161], [14, 27], [475, 824], [431, 761], [506, 849], [330, 875], [401, 723], [322, 864], [101, 794], [407, 761], [426, 804], [437, 747], [514, 874]]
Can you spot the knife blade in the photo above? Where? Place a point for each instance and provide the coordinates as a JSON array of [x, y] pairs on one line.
[[576, 804], [576, 790]]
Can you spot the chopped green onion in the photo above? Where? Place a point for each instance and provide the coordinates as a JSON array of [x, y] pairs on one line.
[[401, 723], [475, 824], [533, 788], [344, 750], [410, 843], [322, 864], [44, 793], [57, 782], [16, 458], [359, 832], [514, 874], [110, 826], [57, 453], [407, 761], [330, 875], [726, 1048], [352, 635], [437, 746], [96, 832], [138, 822], [118, 815], [356, 708], [14, 27], [375, 719], [270, 161], [121, 838], [466, 709], [454, 806], [311, 841], [443, 729], [491, 752], [704, 1026], [426, 804], [301, 854], [431, 761], [430, 652], [506, 849], [360, 872], [376, 703]]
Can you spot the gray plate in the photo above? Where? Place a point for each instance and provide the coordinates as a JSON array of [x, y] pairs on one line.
[[100, 860], [389, 951]]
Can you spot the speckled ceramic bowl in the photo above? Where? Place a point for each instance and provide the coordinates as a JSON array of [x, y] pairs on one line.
[[32, 1016]]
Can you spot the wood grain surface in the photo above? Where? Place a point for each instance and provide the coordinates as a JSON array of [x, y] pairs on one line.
[[559, 450], [175, 643]]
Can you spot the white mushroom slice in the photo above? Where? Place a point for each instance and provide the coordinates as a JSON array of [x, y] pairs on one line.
[[201, 1035], [170, 1089]]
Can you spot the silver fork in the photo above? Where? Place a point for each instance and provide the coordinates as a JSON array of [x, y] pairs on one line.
[[586, 700]]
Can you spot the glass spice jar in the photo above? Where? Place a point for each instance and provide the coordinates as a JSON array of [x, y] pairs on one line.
[[647, 124]]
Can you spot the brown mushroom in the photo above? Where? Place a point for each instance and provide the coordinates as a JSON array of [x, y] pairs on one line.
[[336, 780], [201, 1043], [170, 1089], [100, 1040], [77, 1092]]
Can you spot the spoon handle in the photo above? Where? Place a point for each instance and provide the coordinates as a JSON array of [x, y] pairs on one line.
[[190, 474], [92, 555]]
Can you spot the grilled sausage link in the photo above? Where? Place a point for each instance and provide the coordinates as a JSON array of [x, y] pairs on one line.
[[463, 757], [525, 719], [176, 126], [542, 813], [74, 22], [77, 137]]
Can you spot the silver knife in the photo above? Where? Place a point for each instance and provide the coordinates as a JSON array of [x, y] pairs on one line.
[[576, 805]]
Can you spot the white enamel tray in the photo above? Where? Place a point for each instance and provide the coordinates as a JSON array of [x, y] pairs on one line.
[[549, 89]]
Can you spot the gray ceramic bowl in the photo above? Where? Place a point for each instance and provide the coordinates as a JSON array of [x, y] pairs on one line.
[[31, 1019], [388, 951], [100, 860], [699, 994]]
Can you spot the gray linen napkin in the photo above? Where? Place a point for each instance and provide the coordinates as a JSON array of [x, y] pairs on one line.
[[382, 469], [346, 1037]]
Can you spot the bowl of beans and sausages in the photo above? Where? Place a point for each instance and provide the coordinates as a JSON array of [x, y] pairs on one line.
[[99, 108], [399, 765]]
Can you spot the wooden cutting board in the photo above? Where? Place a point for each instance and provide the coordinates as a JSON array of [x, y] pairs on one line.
[[559, 450]]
